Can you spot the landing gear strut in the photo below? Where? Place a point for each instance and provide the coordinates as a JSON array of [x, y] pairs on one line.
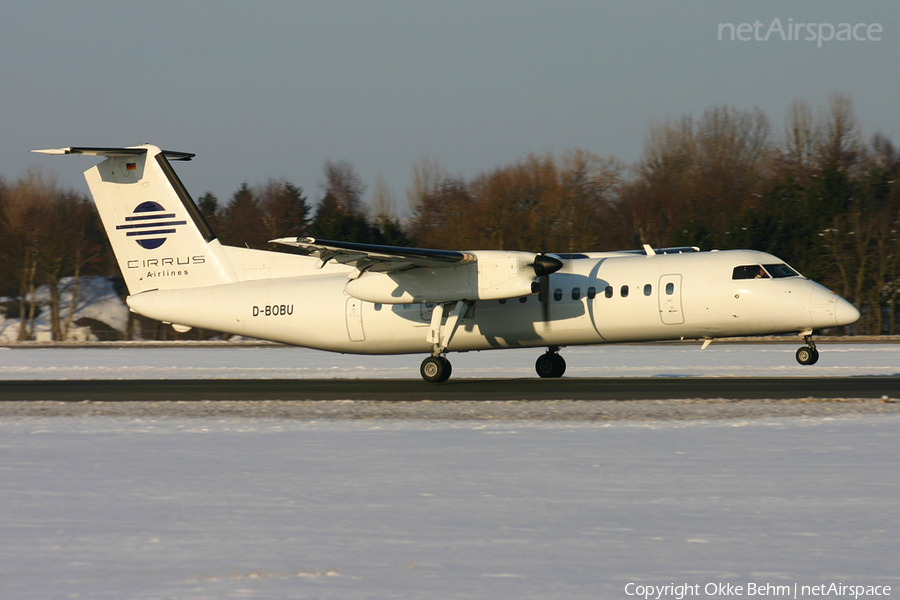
[[550, 364], [436, 368], [807, 355]]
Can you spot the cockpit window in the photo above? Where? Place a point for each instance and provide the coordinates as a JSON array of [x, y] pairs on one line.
[[781, 270], [749, 272]]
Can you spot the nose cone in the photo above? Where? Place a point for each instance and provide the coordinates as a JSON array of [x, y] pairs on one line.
[[827, 309], [844, 312]]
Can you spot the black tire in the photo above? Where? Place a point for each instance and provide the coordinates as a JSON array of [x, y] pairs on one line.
[[560, 363], [435, 369], [807, 356], [550, 365], [544, 365]]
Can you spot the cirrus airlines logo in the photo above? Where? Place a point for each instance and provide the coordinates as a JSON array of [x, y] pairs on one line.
[[150, 225]]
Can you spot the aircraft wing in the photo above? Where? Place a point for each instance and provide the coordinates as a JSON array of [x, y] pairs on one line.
[[375, 258]]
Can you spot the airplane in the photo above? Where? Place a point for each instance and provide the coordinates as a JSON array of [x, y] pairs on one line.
[[370, 299]]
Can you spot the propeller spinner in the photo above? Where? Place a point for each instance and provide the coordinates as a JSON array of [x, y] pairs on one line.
[[546, 265]]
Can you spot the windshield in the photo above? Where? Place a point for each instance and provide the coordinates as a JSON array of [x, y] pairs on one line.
[[749, 272], [781, 270], [777, 271]]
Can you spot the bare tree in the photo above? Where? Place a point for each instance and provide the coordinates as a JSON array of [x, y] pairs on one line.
[[662, 190], [444, 218], [383, 205], [801, 136], [840, 141], [26, 209], [343, 186], [734, 149], [589, 184], [698, 176], [427, 177], [67, 248]]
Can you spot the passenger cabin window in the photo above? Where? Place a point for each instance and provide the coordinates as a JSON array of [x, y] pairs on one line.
[[557, 294], [648, 289], [781, 270], [576, 293], [608, 292], [592, 293], [749, 272], [670, 289], [624, 291]]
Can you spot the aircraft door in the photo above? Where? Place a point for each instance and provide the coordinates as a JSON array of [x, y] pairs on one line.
[[670, 299], [354, 320]]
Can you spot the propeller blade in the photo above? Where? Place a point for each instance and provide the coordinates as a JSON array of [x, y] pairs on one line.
[[544, 296], [544, 266]]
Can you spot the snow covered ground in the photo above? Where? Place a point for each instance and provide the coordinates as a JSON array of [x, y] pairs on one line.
[[248, 508], [277, 362], [101, 507]]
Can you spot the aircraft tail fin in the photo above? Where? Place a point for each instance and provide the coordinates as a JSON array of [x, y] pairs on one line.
[[159, 236]]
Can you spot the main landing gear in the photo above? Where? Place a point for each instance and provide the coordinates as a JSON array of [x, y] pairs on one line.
[[807, 355], [445, 319], [437, 369], [550, 364]]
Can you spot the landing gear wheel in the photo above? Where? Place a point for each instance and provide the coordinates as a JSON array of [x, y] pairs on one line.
[[550, 364], [807, 356], [435, 369]]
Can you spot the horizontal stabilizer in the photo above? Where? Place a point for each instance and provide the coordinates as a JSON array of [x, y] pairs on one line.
[[86, 151]]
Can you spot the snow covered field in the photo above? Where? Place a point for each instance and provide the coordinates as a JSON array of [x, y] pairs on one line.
[[196, 508], [247, 508], [279, 362]]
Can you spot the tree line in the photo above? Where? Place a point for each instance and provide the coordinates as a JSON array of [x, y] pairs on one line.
[[815, 193], [812, 192]]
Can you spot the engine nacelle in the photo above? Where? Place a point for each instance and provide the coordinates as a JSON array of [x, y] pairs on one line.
[[494, 275]]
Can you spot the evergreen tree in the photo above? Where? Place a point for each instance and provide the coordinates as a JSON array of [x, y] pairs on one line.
[[208, 205], [209, 208], [333, 223], [243, 221], [392, 232], [286, 210]]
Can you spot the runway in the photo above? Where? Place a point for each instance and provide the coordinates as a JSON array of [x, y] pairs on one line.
[[656, 388]]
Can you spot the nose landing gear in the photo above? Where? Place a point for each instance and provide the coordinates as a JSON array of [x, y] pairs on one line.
[[807, 355]]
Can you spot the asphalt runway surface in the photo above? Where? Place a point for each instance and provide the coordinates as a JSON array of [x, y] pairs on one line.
[[453, 390]]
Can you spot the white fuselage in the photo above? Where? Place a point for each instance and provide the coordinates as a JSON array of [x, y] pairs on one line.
[[597, 298]]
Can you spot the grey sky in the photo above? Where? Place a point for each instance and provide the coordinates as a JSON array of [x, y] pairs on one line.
[[273, 89]]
